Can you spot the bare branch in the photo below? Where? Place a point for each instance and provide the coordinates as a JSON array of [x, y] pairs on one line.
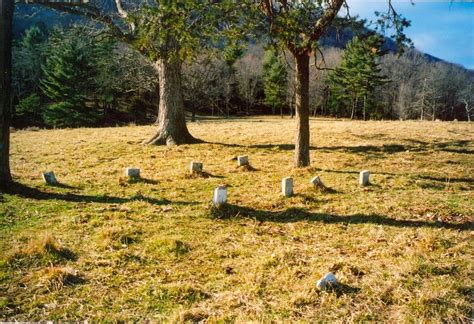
[[124, 14], [91, 13], [323, 61]]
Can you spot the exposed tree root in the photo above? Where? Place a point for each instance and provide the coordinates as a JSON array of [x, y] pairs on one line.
[[164, 138]]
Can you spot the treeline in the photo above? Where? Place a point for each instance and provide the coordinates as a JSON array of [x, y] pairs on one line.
[[81, 77]]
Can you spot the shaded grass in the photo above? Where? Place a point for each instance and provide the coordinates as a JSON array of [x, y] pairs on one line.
[[156, 249], [226, 211]]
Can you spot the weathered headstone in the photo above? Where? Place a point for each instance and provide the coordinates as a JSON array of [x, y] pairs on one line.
[[364, 178], [242, 160], [133, 173], [287, 187], [328, 281], [220, 196], [195, 167], [50, 178], [316, 181]]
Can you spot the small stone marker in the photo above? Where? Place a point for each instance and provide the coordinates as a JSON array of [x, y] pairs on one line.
[[364, 178], [242, 160], [132, 173], [220, 195], [316, 181], [287, 187], [328, 281], [195, 167], [50, 178]]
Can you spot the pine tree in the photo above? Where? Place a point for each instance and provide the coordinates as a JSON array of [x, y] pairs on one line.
[[30, 55], [355, 81], [275, 78], [68, 81]]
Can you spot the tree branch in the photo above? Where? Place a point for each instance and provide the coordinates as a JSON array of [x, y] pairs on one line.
[[323, 22], [124, 14]]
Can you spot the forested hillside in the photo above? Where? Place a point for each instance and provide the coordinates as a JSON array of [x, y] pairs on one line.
[[68, 73]]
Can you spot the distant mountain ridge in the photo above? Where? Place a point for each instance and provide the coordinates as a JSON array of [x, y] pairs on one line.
[[28, 15]]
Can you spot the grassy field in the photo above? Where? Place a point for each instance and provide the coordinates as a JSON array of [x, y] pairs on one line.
[[100, 247]]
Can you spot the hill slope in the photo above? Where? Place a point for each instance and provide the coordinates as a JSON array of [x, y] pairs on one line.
[[28, 15]]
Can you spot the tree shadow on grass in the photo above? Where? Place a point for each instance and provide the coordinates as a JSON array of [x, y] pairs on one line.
[[21, 190], [202, 175], [447, 179], [292, 215], [413, 176], [355, 172], [416, 146], [62, 185], [386, 148]]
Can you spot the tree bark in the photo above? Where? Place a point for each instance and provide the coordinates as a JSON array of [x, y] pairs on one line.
[[365, 107], [468, 110], [302, 111], [355, 102], [172, 129], [6, 14]]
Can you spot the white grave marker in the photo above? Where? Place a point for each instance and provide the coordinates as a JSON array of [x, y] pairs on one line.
[[220, 195], [242, 160], [132, 173], [328, 281], [195, 167], [287, 187], [364, 178], [50, 178], [316, 181]]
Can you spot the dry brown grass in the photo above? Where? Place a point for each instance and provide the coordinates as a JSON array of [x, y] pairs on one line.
[[56, 278], [155, 249], [42, 250]]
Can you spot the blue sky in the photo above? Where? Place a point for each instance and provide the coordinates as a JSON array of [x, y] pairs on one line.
[[444, 29]]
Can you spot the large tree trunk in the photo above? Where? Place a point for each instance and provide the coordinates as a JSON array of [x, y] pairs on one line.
[[302, 111], [6, 18], [171, 121]]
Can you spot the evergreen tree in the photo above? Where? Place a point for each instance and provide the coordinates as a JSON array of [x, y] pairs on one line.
[[353, 83], [28, 111], [231, 53], [275, 80], [69, 80], [30, 55]]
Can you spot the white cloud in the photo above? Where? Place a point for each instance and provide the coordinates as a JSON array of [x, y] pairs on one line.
[[424, 42]]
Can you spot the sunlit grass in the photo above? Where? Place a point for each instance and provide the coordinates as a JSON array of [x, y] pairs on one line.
[[155, 248]]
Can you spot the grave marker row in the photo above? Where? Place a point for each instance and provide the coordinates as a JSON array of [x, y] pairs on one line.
[[220, 193]]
